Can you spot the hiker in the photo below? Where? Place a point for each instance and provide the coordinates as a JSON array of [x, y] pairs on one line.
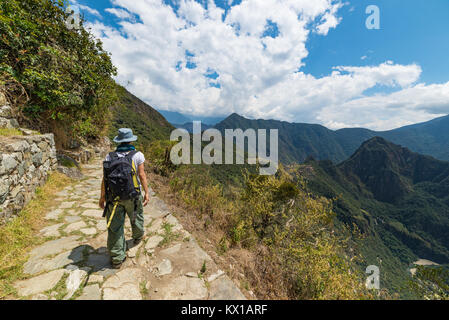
[[123, 179]]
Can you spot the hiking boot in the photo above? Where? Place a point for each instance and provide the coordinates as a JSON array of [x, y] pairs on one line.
[[137, 241], [118, 265]]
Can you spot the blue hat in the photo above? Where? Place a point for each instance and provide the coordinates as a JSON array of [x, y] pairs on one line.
[[125, 135]]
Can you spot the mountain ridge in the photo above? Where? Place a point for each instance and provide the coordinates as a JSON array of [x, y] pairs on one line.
[[297, 141], [398, 199]]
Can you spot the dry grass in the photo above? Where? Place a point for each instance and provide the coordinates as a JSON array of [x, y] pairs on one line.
[[19, 235], [239, 264]]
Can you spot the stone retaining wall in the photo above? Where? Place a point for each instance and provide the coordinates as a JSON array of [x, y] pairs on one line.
[[7, 119], [25, 162]]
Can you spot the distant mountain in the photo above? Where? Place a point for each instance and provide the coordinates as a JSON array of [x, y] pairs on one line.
[[175, 117], [297, 141], [189, 126], [178, 119], [390, 171], [398, 199]]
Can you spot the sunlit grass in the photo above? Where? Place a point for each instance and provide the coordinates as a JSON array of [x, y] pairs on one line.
[[10, 132]]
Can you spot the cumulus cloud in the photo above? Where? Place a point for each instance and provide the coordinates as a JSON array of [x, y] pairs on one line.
[[119, 13], [168, 56]]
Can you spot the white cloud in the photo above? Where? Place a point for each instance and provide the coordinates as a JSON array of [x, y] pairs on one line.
[[90, 10], [119, 13], [258, 76], [80, 7]]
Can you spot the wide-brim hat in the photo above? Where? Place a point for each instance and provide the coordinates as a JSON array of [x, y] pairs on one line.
[[125, 135]]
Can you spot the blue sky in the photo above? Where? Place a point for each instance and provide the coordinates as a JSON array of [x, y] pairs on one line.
[[253, 57], [411, 31]]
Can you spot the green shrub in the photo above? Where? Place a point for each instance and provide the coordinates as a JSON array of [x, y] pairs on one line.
[[65, 72]]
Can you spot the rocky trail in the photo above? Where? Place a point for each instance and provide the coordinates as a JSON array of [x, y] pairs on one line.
[[74, 262]]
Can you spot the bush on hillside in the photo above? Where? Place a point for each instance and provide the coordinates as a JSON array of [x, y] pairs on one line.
[[65, 72]]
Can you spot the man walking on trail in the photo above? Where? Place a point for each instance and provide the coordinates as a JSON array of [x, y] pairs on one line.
[[124, 177]]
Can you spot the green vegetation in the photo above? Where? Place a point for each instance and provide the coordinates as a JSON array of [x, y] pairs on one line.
[[20, 234], [309, 232], [168, 235], [146, 122], [10, 132], [302, 256], [396, 198], [59, 79], [297, 141], [431, 283]]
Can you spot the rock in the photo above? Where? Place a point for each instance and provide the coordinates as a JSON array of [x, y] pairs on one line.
[[216, 275], [8, 164], [184, 288], [174, 222], [196, 255], [89, 231], [156, 226], [73, 173], [124, 285], [153, 242], [35, 266], [95, 278], [53, 215], [18, 146], [101, 225], [191, 275], [72, 267], [91, 292], [100, 262], [72, 219], [143, 261], [67, 205], [75, 226], [164, 268], [171, 251], [51, 231], [37, 158], [132, 252], [89, 205], [39, 296], [8, 123], [5, 111], [15, 191], [64, 193], [224, 289], [39, 284], [93, 213], [73, 282], [55, 246], [27, 132]]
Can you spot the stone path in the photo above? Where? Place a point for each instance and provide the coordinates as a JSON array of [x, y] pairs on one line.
[[74, 262]]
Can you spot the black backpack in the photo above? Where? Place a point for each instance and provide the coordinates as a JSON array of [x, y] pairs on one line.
[[120, 177]]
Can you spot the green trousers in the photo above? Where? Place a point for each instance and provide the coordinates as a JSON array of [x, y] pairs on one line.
[[116, 231]]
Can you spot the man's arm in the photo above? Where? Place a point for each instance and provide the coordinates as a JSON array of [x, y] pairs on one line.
[[103, 195], [143, 181]]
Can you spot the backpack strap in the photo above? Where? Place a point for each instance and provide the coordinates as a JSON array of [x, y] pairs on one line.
[[130, 156], [113, 156]]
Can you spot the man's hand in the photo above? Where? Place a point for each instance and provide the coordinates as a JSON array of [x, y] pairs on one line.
[[146, 200], [101, 203], [143, 180]]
